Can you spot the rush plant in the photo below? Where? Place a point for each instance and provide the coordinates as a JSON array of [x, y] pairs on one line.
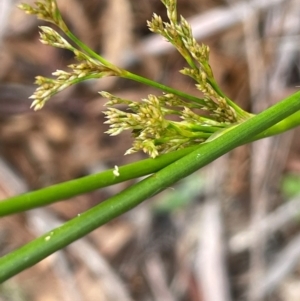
[[176, 148]]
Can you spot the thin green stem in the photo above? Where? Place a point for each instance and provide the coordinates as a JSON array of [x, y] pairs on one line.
[[187, 133], [284, 125], [65, 190], [128, 75], [69, 189], [151, 83], [243, 115], [206, 129], [89, 51], [28, 255], [184, 52]]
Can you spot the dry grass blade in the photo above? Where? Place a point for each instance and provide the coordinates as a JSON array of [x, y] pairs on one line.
[[109, 283], [10, 183], [5, 8], [283, 265], [156, 278], [210, 261], [275, 221], [208, 24]]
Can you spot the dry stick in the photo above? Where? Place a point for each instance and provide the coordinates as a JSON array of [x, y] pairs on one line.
[[210, 260], [207, 24], [181, 283], [5, 8], [262, 181], [284, 264], [112, 286], [39, 222], [280, 156], [10, 183], [278, 219], [62, 269], [260, 149], [259, 197], [262, 152], [285, 50], [156, 278]]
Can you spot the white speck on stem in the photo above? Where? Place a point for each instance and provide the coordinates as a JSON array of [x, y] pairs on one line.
[[49, 236], [116, 171]]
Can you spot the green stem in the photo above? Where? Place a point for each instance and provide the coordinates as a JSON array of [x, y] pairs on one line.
[[66, 190], [151, 83], [282, 126], [89, 51], [243, 115], [128, 75], [28, 255], [188, 133], [69, 189], [202, 128]]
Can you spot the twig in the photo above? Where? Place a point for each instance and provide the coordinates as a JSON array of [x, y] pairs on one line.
[[5, 8], [210, 263], [283, 264], [207, 24], [10, 183], [278, 219], [155, 274], [43, 221], [287, 52]]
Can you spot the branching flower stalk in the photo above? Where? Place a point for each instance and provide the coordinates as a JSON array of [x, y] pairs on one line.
[[214, 122], [151, 121]]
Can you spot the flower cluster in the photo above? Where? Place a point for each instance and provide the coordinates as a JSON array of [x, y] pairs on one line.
[[152, 126], [46, 10], [197, 56], [87, 68], [159, 124], [151, 123]]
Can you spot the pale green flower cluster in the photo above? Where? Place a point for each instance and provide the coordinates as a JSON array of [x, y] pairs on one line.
[[152, 126], [46, 10], [159, 124], [197, 56], [87, 68]]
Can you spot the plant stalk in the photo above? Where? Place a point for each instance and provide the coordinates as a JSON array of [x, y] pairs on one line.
[[33, 252]]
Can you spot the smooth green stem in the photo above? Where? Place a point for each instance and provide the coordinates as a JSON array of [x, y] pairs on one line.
[[206, 129], [65, 190], [151, 83], [89, 51], [240, 112], [69, 189], [282, 126], [128, 75], [28, 255]]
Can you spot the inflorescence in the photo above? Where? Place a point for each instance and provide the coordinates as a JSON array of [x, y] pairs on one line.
[[151, 121]]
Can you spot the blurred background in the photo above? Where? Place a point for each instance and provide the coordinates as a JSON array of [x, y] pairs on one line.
[[230, 231]]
